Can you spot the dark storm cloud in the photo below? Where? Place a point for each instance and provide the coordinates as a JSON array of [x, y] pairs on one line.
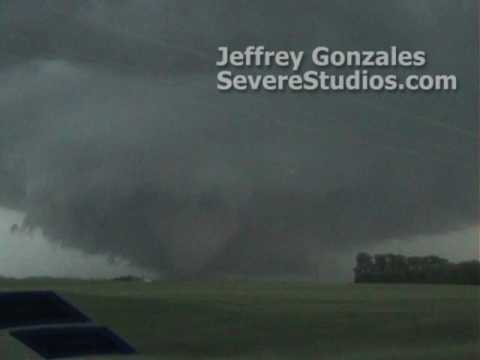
[[114, 140]]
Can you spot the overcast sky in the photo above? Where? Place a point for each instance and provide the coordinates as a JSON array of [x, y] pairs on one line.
[[26, 255], [115, 143]]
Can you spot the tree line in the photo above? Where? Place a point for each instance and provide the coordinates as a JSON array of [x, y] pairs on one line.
[[391, 268]]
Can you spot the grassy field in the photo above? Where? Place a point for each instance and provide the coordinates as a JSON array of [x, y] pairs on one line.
[[259, 320]]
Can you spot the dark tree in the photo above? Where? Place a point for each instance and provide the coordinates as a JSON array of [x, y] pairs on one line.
[[391, 268]]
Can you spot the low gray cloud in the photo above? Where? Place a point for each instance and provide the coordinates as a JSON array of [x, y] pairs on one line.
[[114, 139]]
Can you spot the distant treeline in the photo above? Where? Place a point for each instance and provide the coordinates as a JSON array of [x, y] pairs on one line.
[[390, 268]]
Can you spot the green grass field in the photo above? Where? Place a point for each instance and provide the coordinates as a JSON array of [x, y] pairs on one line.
[[260, 320]]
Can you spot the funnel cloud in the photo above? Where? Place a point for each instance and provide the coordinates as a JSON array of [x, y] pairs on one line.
[[114, 140]]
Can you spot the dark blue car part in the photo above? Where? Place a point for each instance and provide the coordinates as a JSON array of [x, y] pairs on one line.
[[72, 341], [32, 308]]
